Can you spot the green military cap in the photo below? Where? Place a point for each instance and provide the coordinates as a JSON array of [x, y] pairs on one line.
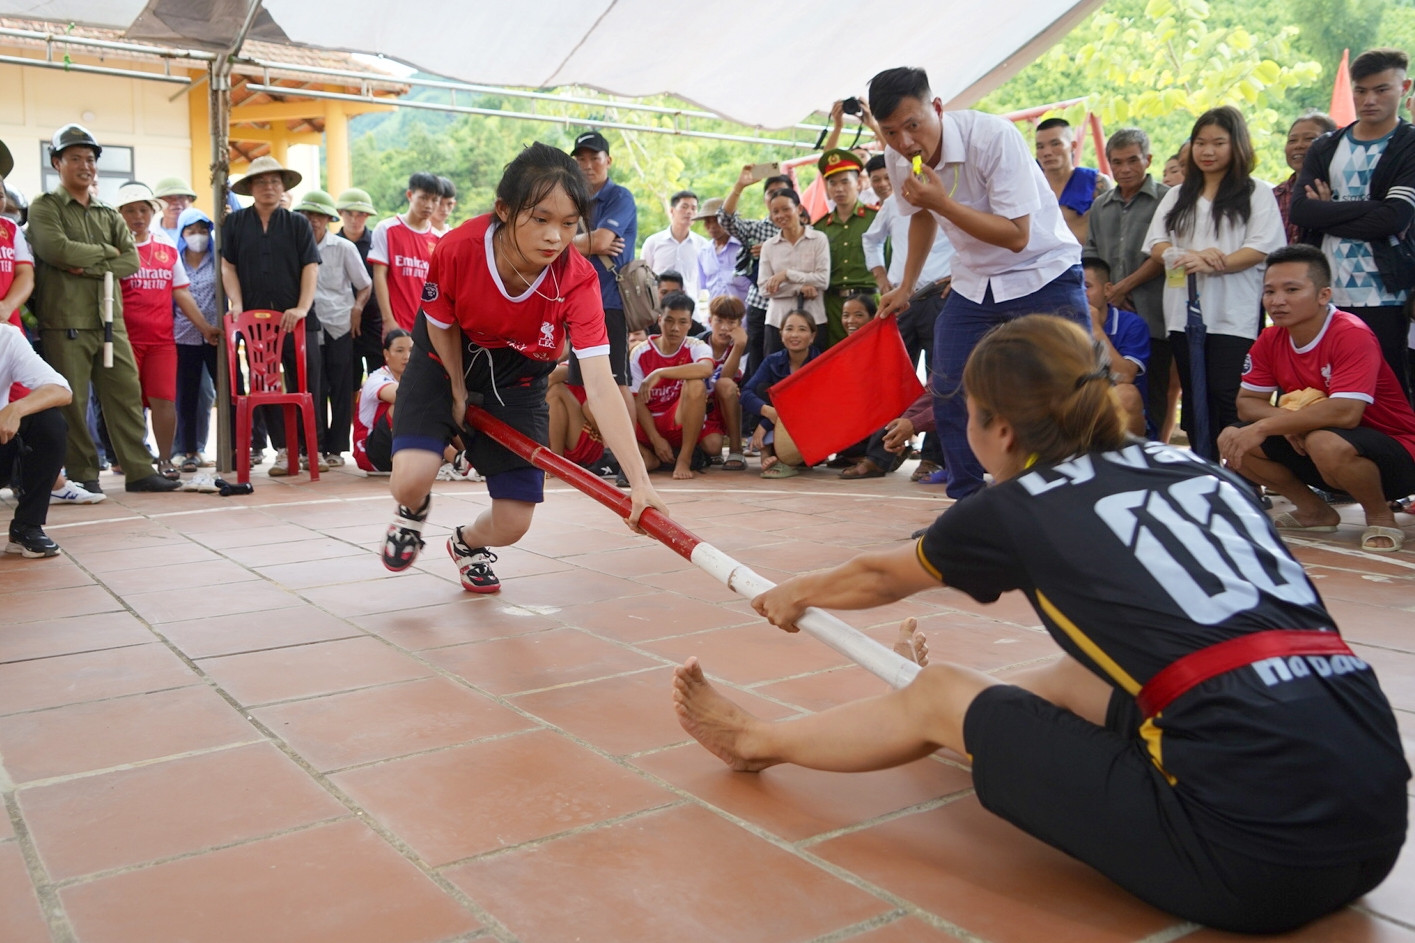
[[173, 186], [837, 159], [317, 201], [355, 199]]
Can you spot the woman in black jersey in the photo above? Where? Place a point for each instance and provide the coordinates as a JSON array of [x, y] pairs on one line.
[[1208, 741]]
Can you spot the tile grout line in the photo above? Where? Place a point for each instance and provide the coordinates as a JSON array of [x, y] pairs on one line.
[[50, 906]]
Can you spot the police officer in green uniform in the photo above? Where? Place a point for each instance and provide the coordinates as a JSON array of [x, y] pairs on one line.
[[76, 239], [844, 228]]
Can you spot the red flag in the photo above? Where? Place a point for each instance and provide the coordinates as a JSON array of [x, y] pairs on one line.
[[849, 391], [1343, 108]]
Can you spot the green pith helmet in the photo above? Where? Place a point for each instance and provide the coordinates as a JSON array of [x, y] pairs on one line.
[[173, 186], [317, 201], [355, 199]]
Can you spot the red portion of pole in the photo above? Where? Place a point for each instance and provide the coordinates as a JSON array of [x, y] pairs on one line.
[[657, 525]]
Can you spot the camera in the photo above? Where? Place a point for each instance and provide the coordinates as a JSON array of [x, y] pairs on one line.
[[851, 106]]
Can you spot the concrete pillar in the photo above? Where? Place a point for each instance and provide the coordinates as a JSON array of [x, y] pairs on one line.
[[337, 162]]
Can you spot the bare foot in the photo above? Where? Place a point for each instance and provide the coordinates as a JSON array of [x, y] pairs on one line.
[[714, 721], [912, 644], [682, 474]]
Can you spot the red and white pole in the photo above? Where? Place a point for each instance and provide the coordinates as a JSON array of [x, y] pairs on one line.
[[848, 641]]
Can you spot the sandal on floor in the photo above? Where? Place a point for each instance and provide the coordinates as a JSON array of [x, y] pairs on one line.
[[735, 462], [189, 463], [1287, 523], [170, 473], [1395, 535], [780, 470], [864, 468], [924, 470]]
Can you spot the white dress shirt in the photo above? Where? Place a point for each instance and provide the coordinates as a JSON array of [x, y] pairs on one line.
[[890, 225]]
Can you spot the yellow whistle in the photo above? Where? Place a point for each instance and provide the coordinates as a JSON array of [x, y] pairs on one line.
[[918, 165]]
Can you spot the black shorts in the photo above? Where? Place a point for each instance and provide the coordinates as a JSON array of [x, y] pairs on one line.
[[1396, 466], [1094, 793], [618, 330], [379, 444], [506, 384]]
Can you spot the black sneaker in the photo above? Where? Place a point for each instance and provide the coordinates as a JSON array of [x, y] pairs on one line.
[[30, 540], [91, 486], [474, 563], [152, 483], [405, 536]]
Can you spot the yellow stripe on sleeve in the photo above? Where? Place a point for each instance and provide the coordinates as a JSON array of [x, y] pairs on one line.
[[924, 561]]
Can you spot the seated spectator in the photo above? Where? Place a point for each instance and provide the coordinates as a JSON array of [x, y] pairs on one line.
[[668, 377], [1126, 338], [1300, 136], [724, 407], [148, 296], [780, 457], [32, 440], [342, 289], [373, 419], [1075, 188], [573, 433], [864, 458], [794, 270], [669, 281], [676, 248], [1344, 423], [196, 357]]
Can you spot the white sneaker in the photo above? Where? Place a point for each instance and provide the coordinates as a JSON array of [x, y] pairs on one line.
[[75, 493], [448, 473], [281, 467]]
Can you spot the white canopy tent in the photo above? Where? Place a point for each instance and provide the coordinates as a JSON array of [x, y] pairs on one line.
[[762, 66]]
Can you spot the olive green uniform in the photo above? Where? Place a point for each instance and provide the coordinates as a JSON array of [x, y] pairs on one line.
[[74, 245], [848, 271]]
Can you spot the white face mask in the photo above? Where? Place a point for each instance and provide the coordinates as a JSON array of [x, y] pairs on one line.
[[197, 242]]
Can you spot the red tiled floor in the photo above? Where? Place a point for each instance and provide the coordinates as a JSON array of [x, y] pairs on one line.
[[91, 676], [470, 618], [749, 654], [694, 583], [656, 615], [18, 574], [497, 793], [127, 817], [247, 632], [542, 660], [626, 714], [49, 604], [103, 734], [257, 532], [632, 561], [68, 636], [907, 930], [178, 575], [337, 883], [296, 551], [194, 602], [1373, 625], [364, 567], [1369, 588], [978, 872], [1345, 926], [1396, 671], [305, 670], [796, 803], [682, 874], [407, 590], [21, 920], [824, 689], [564, 589], [120, 557], [341, 730]]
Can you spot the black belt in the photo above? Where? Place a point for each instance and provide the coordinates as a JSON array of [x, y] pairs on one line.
[[845, 291], [939, 286]]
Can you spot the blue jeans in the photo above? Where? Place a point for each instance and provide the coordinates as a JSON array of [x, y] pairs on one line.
[[961, 324]]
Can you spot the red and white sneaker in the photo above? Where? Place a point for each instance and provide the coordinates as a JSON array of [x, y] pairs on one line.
[[474, 563], [405, 536]]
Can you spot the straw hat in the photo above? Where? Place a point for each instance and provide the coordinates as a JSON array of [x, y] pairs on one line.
[[266, 165], [136, 193]]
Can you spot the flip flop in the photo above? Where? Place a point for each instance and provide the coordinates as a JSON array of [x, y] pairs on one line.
[[735, 462], [781, 470], [1375, 531], [862, 469], [1286, 523]]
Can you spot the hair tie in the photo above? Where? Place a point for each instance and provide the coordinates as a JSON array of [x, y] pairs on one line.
[[1100, 373]]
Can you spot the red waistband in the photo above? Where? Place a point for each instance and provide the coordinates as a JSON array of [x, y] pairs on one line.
[[1197, 667]]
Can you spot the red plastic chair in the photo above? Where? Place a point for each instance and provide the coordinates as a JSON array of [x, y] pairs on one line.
[[260, 330]]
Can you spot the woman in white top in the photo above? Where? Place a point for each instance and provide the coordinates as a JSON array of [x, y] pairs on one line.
[[1222, 222], [794, 270]]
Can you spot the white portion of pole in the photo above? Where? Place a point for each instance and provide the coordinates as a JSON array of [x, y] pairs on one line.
[[864, 651], [108, 319]]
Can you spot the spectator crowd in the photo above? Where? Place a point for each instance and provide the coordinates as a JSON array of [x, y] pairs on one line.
[[947, 222]]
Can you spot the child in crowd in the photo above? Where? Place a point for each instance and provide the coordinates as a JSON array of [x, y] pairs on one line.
[[573, 432], [401, 252], [148, 295], [373, 419], [780, 456], [1126, 340], [724, 407], [668, 377]]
